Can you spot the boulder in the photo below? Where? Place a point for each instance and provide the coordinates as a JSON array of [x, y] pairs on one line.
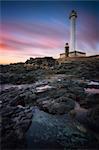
[[57, 106], [15, 121]]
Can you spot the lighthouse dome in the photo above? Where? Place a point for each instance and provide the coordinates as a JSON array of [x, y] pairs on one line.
[[73, 13]]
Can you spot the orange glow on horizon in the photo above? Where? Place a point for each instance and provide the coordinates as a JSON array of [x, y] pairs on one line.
[[10, 59], [3, 47]]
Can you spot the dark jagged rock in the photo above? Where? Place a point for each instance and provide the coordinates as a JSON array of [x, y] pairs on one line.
[[56, 106], [86, 68], [58, 131], [58, 99], [90, 101], [39, 68], [61, 99], [93, 118], [45, 62], [15, 96], [15, 120]]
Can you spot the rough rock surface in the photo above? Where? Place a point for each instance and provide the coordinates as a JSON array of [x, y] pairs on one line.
[[83, 68], [60, 99], [57, 132], [90, 101], [93, 119], [15, 96], [56, 106], [14, 121], [39, 68], [56, 97]]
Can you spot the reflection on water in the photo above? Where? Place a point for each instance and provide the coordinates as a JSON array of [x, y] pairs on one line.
[[93, 87], [39, 88], [43, 88], [8, 86], [91, 90], [93, 83]]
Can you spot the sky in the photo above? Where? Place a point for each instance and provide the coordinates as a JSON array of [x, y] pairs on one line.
[[41, 28]]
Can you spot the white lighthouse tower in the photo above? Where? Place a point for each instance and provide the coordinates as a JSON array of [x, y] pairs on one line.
[[72, 17], [73, 51]]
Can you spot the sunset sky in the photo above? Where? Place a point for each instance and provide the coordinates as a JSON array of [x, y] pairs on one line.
[[41, 28]]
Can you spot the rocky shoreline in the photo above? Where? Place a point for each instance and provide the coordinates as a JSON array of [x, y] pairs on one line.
[[14, 122], [55, 96], [50, 107]]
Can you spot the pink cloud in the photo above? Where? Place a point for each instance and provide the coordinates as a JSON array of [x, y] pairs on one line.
[[36, 29], [42, 36], [26, 38]]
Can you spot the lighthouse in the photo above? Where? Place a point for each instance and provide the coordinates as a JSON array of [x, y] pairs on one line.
[[72, 51], [72, 17]]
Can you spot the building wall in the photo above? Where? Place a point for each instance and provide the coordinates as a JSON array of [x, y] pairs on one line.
[[77, 55], [73, 55]]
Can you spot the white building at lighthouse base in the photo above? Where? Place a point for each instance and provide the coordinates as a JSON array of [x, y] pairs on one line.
[[73, 54]]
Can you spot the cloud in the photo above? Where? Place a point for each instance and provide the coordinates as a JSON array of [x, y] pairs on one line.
[[47, 38], [88, 33], [53, 29], [4, 47], [33, 35]]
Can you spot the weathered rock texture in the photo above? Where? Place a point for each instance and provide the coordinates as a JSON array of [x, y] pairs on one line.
[[14, 121]]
